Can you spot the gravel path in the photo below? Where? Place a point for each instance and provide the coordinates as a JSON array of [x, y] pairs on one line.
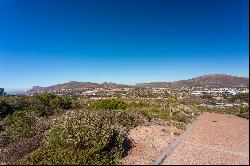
[[148, 142], [215, 139]]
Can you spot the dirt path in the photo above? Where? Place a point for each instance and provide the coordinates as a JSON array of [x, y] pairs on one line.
[[148, 142], [215, 139]]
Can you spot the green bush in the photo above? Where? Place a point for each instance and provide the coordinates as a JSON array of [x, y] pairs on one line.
[[244, 113], [68, 156], [241, 97], [140, 105], [5, 109], [108, 104], [129, 119], [47, 104], [46, 97], [81, 138], [43, 111], [18, 125]]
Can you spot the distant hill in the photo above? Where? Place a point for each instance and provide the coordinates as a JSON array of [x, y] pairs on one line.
[[75, 85], [212, 80]]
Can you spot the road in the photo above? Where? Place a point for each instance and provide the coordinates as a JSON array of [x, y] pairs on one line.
[[214, 139]]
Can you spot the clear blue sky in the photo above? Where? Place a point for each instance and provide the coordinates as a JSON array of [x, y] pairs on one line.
[[45, 42]]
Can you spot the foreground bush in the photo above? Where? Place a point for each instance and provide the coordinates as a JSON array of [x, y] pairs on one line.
[[15, 151], [18, 125], [89, 137]]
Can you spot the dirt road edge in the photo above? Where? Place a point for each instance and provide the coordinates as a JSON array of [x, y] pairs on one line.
[[172, 146]]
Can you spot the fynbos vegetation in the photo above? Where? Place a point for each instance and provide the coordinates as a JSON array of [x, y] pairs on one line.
[[51, 129]]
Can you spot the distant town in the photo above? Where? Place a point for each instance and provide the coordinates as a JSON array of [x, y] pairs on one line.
[[213, 90], [219, 95]]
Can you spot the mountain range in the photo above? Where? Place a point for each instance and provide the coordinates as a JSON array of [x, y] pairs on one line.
[[211, 80]]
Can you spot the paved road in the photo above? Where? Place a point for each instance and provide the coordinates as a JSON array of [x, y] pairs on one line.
[[214, 139]]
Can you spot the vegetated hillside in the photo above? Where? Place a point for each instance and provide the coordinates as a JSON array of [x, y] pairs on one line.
[[212, 80]]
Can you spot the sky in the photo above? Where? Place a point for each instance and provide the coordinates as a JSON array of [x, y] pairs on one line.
[[46, 42]]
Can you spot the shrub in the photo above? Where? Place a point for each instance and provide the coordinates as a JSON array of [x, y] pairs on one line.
[[129, 119], [15, 151], [48, 104], [18, 125], [140, 105], [43, 105], [5, 109], [108, 104], [242, 97], [66, 103], [46, 97], [244, 113], [80, 138]]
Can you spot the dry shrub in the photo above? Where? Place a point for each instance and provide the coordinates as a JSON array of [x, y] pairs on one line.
[[17, 150], [86, 137]]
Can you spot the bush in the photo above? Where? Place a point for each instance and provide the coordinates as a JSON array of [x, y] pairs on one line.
[[46, 97], [242, 97], [66, 103], [130, 119], [18, 125], [5, 109], [81, 138], [15, 151], [43, 105], [140, 105], [108, 104], [244, 113]]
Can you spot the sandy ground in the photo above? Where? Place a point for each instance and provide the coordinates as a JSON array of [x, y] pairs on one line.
[[215, 139], [148, 142]]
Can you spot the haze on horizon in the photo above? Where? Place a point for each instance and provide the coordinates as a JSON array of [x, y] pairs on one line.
[[46, 42]]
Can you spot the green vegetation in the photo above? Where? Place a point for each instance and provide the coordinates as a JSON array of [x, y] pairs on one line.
[[85, 138], [237, 111], [244, 113], [51, 129], [45, 104], [172, 102], [18, 125], [108, 104], [5, 109], [240, 97], [25, 119]]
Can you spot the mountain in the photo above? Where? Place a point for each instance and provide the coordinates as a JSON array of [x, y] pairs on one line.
[[75, 85], [211, 80]]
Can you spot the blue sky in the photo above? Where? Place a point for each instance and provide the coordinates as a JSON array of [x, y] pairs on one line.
[[45, 42]]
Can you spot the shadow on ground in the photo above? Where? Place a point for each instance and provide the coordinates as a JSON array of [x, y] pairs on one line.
[[126, 146]]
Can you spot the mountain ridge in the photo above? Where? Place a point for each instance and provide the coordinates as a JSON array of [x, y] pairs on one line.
[[210, 80]]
